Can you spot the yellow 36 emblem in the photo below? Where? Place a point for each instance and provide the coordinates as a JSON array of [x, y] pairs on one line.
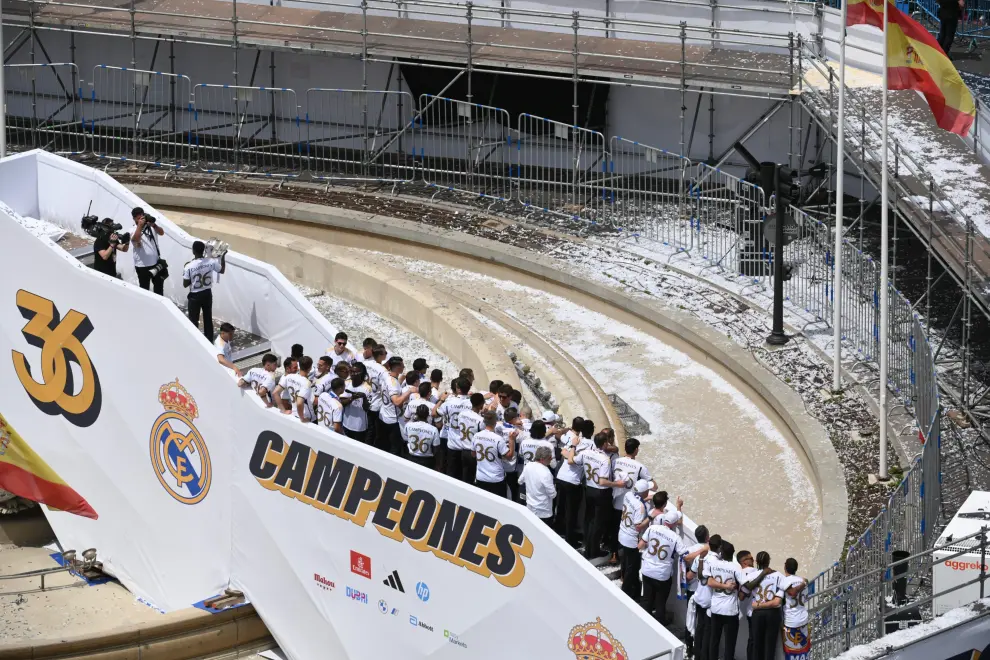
[[178, 452], [62, 390]]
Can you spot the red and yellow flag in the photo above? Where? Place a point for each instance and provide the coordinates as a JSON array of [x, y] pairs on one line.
[[24, 473], [916, 61]]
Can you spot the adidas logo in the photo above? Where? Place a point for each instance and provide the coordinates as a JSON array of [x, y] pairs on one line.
[[394, 582]]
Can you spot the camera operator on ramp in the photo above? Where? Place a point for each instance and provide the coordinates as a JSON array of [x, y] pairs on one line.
[[148, 263], [198, 277], [105, 248]]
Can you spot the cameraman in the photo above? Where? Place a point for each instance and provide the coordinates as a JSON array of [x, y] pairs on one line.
[[146, 252], [105, 249], [197, 276]]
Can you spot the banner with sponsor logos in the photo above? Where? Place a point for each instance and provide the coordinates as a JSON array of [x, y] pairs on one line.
[[385, 559], [345, 551], [116, 391]]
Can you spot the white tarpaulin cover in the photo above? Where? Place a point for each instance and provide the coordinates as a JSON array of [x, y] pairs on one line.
[[345, 552]]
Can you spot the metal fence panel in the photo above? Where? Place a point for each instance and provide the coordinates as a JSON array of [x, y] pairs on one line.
[[140, 116], [44, 108], [561, 168], [359, 135], [647, 190], [728, 216], [247, 130], [464, 147]]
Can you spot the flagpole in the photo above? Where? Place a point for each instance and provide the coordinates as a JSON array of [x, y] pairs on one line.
[[884, 265], [839, 209], [3, 93]]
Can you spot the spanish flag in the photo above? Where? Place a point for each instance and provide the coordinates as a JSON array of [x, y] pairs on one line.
[[24, 473], [916, 61]]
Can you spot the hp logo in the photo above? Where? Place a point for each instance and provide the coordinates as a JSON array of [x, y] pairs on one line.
[[422, 591]]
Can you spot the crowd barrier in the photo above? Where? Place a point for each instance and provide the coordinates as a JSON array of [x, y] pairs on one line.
[[198, 487]]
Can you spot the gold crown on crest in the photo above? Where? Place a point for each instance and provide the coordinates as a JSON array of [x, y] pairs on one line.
[[593, 641], [176, 398]]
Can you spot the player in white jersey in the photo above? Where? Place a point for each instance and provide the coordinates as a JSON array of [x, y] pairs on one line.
[[436, 382], [766, 598], [225, 348], [420, 396], [632, 522], [569, 477], [699, 549], [490, 447], [749, 571], [724, 577], [662, 549], [469, 424], [339, 351], [703, 598], [511, 424], [262, 379], [198, 276], [324, 376], [376, 375], [299, 401], [330, 410], [597, 468], [422, 437], [627, 470], [533, 440], [797, 641], [394, 393], [448, 409]]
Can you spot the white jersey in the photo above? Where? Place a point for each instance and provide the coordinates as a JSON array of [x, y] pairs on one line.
[[766, 590], [298, 386], [693, 585], [258, 378], [468, 424], [489, 448], [596, 465], [409, 413], [422, 438], [355, 416], [724, 602], [449, 411], [663, 550], [376, 374], [746, 604], [572, 473], [528, 447], [630, 471], [224, 348], [322, 383], [336, 358], [795, 607], [200, 272], [391, 386], [703, 594], [633, 514], [329, 410], [509, 465]]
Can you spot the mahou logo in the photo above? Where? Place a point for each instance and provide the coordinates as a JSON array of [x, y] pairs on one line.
[[323, 583], [361, 564]]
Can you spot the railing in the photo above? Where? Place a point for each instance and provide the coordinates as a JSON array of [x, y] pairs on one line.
[[565, 174]]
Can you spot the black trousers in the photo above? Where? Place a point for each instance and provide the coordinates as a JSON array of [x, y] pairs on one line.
[[452, 463], [702, 633], [597, 509], [202, 301], [512, 481], [372, 434], [612, 533], [947, 29], [383, 435], [493, 487], [631, 562], [568, 506], [655, 594], [429, 462], [145, 280], [764, 630], [396, 445], [469, 466], [360, 436], [441, 453], [723, 627]]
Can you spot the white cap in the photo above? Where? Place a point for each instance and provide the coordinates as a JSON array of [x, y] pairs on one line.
[[642, 486], [671, 518], [550, 416]]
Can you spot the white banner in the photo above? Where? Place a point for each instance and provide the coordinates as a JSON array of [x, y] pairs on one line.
[[344, 551]]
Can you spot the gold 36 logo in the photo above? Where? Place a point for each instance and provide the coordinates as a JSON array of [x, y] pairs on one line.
[[61, 343]]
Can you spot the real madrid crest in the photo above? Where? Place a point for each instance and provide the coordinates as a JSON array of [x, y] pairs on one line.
[[593, 641], [178, 452]]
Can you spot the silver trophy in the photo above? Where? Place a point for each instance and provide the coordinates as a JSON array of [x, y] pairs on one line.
[[215, 248]]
